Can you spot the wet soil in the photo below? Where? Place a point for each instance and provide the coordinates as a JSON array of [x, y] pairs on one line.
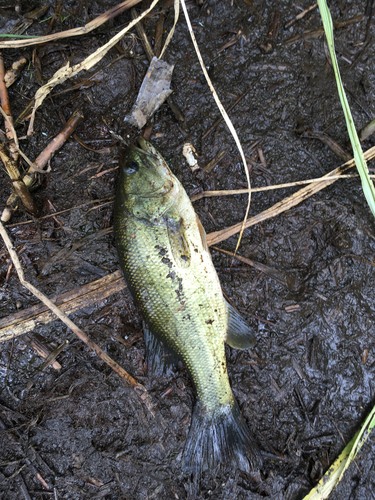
[[308, 383]]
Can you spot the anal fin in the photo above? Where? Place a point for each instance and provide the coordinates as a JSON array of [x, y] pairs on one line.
[[239, 333], [161, 360]]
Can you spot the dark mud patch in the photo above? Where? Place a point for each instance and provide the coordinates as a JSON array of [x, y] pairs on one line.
[[308, 383]]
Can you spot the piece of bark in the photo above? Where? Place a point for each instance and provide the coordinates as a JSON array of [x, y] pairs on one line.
[[69, 302]]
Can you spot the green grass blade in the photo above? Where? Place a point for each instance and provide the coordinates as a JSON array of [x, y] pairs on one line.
[[335, 473], [367, 184], [2, 35], [332, 477], [360, 438]]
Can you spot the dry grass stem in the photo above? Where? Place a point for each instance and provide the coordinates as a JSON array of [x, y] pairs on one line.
[[279, 276], [308, 34], [287, 203], [14, 145], [38, 343], [54, 17], [95, 23], [300, 15], [170, 34], [92, 202], [224, 114], [67, 72], [50, 359], [219, 120], [10, 125], [142, 35], [229, 192]]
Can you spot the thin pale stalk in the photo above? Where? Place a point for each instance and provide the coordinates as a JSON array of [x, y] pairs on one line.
[[83, 30], [225, 116], [230, 192]]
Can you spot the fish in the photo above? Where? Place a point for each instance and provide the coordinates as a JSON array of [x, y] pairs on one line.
[[167, 266]]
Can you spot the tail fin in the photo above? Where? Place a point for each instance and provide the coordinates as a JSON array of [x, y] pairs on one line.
[[220, 437]]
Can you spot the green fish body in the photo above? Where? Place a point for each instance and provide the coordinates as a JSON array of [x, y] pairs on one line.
[[169, 271]]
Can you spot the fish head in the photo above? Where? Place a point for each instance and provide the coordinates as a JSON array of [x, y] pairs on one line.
[[146, 185]]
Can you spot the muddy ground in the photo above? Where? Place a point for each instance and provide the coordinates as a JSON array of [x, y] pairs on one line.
[[307, 384]]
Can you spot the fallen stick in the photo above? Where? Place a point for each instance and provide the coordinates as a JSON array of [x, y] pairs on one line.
[[5, 104], [42, 161], [275, 274], [17, 182], [139, 389], [69, 302]]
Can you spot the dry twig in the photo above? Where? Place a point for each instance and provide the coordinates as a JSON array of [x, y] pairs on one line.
[[5, 104], [18, 183], [277, 275], [14, 72], [300, 15], [42, 160], [219, 120], [308, 34], [26, 320]]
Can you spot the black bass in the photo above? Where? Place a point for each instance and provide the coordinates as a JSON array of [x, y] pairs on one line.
[[168, 268]]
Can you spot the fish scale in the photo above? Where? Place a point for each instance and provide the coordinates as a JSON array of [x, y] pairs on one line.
[[181, 323]]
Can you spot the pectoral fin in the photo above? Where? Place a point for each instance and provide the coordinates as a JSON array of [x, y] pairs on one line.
[[239, 334], [160, 359], [202, 233], [179, 243]]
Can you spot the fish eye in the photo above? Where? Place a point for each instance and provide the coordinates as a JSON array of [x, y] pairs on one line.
[[131, 167]]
